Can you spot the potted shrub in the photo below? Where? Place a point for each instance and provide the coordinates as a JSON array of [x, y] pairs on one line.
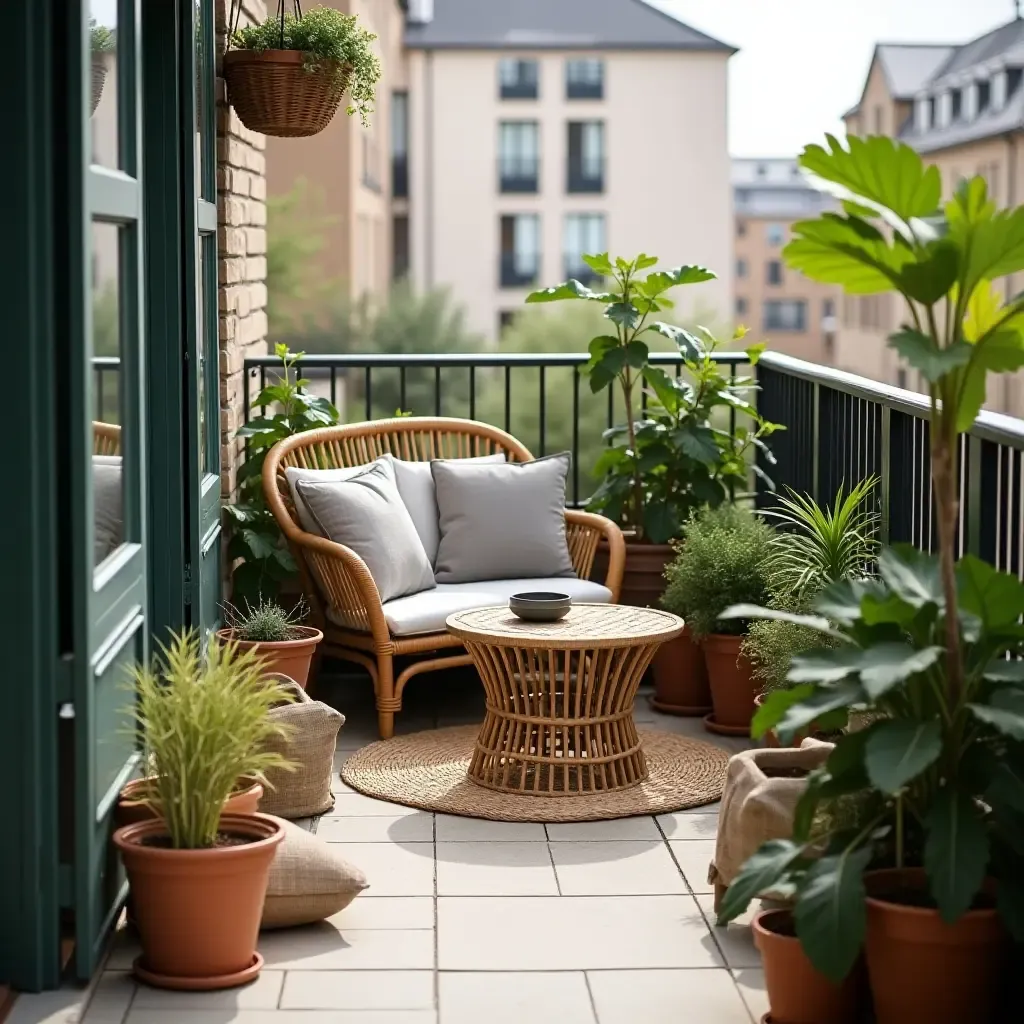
[[136, 801], [287, 76], [198, 876], [282, 643], [723, 555], [671, 456], [932, 884], [102, 41]]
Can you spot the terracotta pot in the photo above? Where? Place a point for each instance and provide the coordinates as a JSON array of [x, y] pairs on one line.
[[198, 911], [130, 809], [921, 968], [797, 992], [288, 657], [681, 677], [643, 582], [733, 688], [771, 738]]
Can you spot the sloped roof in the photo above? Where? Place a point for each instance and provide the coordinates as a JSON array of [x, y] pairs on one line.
[[556, 25], [996, 43], [909, 67]]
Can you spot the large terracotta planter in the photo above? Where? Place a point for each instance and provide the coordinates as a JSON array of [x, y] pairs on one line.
[[733, 687], [922, 969], [643, 582], [130, 809], [198, 911], [288, 657], [681, 677], [797, 992]]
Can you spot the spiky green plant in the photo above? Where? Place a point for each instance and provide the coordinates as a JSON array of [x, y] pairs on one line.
[[203, 721], [265, 622]]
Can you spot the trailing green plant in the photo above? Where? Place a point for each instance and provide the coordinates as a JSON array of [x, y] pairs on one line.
[[203, 723], [932, 648], [101, 38], [721, 561], [264, 622], [330, 40], [672, 455], [256, 539]]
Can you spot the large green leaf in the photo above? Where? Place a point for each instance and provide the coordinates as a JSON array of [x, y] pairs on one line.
[[923, 354], [661, 280], [932, 274], [841, 601], [991, 240], [625, 314], [761, 872], [774, 707], [824, 699], [689, 345], [900, 750], [599, 263], [913, 575], [999, 352], [999, 670], [699, 443], [754, 611], [569, 290], [997, 598], [880, 667], [830, 911], [1006, 786], [1004, 712], [956, 852]]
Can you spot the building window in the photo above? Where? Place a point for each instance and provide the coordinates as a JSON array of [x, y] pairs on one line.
[[761, 170], [931, 111], [984, 95], [1013, 80], [901, 378], [741, 228], [518, 79], [741, 306], [399, 246], [785, 315], [371, 160], [957, 101], [400, 144], [586, 157], [520, 250], [518, 158], [506, 318], [584, 235], [774, 268], [878, 120], [775, 234], [584, 79], [828, 307], [741, 268]]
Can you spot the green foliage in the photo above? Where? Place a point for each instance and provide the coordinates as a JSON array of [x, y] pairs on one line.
[[722, 561], [329, 39], [203, 723], [771, 644], [256, 538], [664, 462], [264, 622], [101, 38]]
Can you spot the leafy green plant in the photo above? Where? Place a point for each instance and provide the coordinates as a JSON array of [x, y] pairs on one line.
[[721, 561], [202, 719], [264, 622], [330, 40], [674, 458], [101, 38], [929, 648], [256, 538]]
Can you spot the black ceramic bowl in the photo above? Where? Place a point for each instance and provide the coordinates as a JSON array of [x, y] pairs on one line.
[[540, 606]]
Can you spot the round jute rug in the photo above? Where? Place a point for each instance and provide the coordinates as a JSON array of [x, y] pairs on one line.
[[428, 770]]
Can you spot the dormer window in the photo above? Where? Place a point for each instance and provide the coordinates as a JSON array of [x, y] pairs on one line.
[[999, 91], [922, 114], [931, 111], [971, 102], [955, 104], [1013, 80], [984, 95]]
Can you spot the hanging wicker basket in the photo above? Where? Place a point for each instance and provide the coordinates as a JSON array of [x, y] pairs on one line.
[[99, 78], [274, 94]]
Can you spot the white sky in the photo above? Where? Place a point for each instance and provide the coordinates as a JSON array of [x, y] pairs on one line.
[[802, 63]]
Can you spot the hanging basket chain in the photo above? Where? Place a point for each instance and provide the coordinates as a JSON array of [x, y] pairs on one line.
[[235, 14]]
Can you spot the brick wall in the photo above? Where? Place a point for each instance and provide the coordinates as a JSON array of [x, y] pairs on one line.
[[242, 256]]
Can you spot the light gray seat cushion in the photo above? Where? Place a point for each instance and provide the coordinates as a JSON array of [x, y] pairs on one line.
[[108, 523], [427, 611], [294, 474], [502, 521], [367, 514]]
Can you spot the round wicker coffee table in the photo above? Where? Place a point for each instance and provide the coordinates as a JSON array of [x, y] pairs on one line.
[[560, 696]]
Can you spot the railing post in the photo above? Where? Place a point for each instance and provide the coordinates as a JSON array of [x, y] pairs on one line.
[[972, 498], [816, 442], [884, 474]]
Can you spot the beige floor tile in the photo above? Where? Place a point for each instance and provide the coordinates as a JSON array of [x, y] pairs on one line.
[[61, 1007], [413, 827], [402, 912], [495, 869], [453, 829], [572, 933], [284, 1017], [693, 857], [667, 997], [621, 868], [338, 786], [392, 870], [262, 994], [750, 982], [123, 950], [735, 940], [515, 998], [356, 805], [323, 948], [688, 825], [604, 831], [110, 998], [358, 990]]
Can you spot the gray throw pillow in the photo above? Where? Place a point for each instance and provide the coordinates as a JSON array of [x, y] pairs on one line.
[[106, 495], [366, 514], [293, 474], [502, 521]]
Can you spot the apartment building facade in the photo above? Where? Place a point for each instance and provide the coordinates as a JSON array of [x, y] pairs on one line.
[[962, 108], [791, 313]]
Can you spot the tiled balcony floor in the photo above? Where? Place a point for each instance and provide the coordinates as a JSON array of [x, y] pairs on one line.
[[470, 921]]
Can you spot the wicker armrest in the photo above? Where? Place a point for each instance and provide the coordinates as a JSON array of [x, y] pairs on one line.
[[584, 530]]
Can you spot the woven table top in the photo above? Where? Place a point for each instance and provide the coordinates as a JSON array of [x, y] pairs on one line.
[[586, 626]]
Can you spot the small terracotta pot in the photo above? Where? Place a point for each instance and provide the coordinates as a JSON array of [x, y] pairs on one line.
[[288, 657], [130, 809], [921, 968], [198, 911], [681, 677], [643, 581], [771, 737], [733, 688], [797, 992]]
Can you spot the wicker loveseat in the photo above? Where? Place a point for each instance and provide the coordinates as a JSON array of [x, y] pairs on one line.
[[342, 595]]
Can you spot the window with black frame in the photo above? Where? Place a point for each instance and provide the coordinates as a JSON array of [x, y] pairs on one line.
[[520, 250], [518, 157], [518, 78], [585, 157], [584, 235], [584, 79]]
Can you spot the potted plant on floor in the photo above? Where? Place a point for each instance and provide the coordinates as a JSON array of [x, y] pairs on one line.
[[287, 76], [138, 800], [723, 555], [102, 41], [275, 635], [934, 646], [198, 876], [671, 455]]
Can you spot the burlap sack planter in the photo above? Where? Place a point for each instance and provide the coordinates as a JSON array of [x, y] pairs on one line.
[[313, 732], [762, 789]]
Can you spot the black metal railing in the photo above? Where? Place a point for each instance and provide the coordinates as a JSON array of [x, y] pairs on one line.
[[518, 175], [584, 89], [584, 180]]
